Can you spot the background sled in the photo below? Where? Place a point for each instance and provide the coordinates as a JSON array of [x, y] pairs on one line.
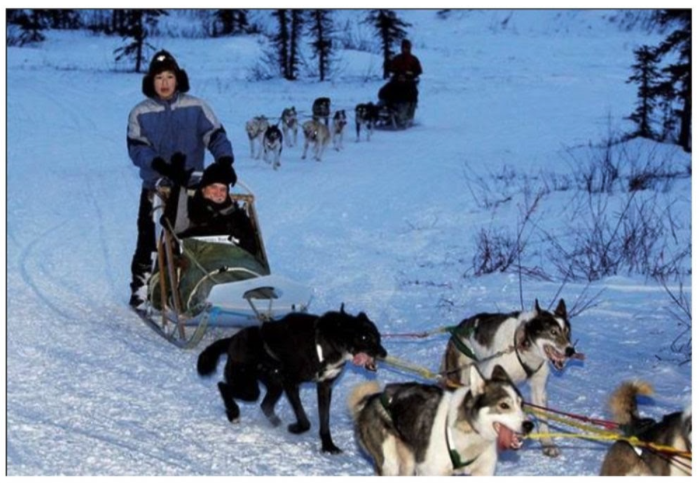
[[238, 293]]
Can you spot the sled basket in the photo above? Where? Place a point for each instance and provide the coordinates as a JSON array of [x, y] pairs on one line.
[[211, 281]]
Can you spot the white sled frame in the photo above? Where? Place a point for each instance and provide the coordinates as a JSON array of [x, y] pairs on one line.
[[236, 304]]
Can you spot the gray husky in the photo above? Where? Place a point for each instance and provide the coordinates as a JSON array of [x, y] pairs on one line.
[[290, 125], [675, 430], [418, 429], [521, 342]]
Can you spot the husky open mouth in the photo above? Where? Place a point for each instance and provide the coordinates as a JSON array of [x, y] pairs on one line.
[[558, 359], [365, 360], [507, 439]]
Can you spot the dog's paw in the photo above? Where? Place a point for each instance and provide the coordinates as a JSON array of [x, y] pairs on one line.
[[552, 450], [298, 428], [233, 415], [274, 420], [331, 448]]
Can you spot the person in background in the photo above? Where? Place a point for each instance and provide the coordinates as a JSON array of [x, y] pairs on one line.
[[405, 64], [405, 69], [168, 121]]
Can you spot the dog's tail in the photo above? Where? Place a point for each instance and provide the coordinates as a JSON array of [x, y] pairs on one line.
[[360, 395], [208, 359], [623, 403]]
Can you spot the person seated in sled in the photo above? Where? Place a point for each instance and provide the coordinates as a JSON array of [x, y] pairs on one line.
[[405, 68], [218, 240], [210, 210]]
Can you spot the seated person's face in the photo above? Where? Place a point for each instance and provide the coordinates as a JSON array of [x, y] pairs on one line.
[[215, 192]]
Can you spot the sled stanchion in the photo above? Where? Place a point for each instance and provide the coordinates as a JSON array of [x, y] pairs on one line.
[[162, 282], [173, 283]]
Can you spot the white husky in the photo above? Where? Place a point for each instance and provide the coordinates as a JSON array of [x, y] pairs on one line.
[[521, 342], [255, 128]]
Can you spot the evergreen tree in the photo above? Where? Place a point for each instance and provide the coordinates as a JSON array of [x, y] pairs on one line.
[[679, 74], [32, 23], [229, 21], [295, 42], [135, 28], [390, 29], [322, 29], [281, 41], [286, 41], [668, 121], [646, 75], [62, 18]]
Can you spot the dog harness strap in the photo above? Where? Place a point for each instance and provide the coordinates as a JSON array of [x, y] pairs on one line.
[[527, 370], [319, 351], [454, 455], [458, 343]]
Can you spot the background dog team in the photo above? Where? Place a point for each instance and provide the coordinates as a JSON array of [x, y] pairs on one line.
[[267, 138]]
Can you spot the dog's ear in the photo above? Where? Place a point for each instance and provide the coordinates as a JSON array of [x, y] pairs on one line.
[[561, 309], [500, 374], [476, 381], [537, 309], [342, 308]]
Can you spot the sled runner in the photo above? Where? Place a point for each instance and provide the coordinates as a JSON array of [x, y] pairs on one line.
[[212, 281]]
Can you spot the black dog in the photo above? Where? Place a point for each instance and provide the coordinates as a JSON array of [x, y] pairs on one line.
[[283, 354], [366, 115], [321, 109]]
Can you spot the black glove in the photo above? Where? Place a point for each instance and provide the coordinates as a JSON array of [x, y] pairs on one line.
[[225, 160], [230, 172], [178, 173], [158, 164]]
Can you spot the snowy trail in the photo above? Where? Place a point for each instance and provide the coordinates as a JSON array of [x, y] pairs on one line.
[[386, 227]]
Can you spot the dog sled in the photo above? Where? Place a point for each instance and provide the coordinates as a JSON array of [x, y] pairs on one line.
[[210, 281], [397, 104]]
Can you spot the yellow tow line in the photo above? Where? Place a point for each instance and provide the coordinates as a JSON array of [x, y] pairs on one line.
[[599, 434]]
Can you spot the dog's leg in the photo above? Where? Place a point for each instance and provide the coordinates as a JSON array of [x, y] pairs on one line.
[[232, 409], [260, 146], [274, 392], [302, 423], [358, 130], [277, 158], [320, 147], [540, 398], [305, 149], [252, 148], [324, 397]]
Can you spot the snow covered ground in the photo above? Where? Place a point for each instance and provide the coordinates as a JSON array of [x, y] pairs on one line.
[[387, 227]]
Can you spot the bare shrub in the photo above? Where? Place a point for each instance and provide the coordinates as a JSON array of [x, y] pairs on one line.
[[492, 190], [639, 238], [682, 313], [598, 172], [495, 252], [498, 251]]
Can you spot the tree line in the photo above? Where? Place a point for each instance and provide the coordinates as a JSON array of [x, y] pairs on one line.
[[293, 26], [663, 72]]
